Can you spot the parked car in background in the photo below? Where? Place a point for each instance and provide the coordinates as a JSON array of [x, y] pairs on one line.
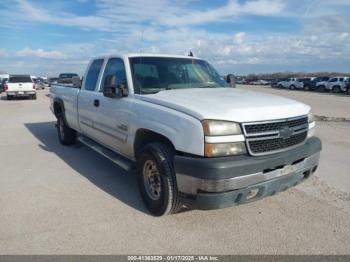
[[307, 82], [20, 86], [34, 78], [291, 83], [347, 87], [241, 81], [315, 82], [66, 78], [274, 82], [3, 81], [52, 80], [260, 82], [39, 84], [336, 84]]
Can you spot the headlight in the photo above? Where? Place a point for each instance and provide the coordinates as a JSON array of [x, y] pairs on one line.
[[225, 149], [220, 128]]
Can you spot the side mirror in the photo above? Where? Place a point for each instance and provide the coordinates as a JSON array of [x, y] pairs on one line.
[[111, 89], [76, 81]]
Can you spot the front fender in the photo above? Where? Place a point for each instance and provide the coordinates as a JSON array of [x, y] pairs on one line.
[[184, 131]]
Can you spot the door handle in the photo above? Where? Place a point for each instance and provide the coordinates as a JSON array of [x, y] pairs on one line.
[[96, 102]]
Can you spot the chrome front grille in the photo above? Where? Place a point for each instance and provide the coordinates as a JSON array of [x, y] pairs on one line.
[[274, 136]]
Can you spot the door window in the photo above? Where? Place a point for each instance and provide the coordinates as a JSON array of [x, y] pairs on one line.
[[114, 68], [92, 75]]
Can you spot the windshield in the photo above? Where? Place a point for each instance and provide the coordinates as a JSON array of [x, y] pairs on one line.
[[154, 74], [20, 79]]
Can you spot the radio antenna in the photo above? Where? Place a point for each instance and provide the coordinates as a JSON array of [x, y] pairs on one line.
[[141, 43]]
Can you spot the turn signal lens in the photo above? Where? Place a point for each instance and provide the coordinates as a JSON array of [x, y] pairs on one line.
[[225, 149], [312, 124], [311, 118]]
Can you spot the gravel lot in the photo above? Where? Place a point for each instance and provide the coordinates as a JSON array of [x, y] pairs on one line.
[[70, 200]]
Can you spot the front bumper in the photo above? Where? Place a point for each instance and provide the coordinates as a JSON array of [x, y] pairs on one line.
[[221, 182]]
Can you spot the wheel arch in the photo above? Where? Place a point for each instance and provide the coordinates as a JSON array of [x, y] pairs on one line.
[[145, 136], [58, 107]]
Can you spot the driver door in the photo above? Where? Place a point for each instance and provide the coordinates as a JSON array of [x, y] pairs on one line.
[[111, 120]]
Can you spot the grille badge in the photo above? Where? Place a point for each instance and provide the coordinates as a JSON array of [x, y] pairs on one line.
[[286, 132]]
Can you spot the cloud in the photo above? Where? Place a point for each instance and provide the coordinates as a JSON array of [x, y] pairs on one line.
[[125, 15], [35, 14], [40, 53], [232, 9], [3, 53], [321, 33], [239, 37]]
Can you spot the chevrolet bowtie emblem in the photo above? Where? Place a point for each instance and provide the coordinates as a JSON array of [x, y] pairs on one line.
[[286, 132]]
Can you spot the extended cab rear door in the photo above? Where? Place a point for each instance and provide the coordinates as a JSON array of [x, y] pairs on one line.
[[87, 98]]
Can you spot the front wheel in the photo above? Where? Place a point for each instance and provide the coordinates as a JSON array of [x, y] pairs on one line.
[[321, 88], [156, 179], [336, 89], [292, 87], [66, 135]]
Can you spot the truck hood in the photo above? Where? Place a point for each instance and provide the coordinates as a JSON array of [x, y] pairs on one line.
[[228, 104]]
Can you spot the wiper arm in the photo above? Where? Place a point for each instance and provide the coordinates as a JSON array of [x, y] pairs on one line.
[[209, 86], [151, 90]]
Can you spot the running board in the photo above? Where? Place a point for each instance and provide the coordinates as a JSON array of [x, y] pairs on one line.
[[118, 159]]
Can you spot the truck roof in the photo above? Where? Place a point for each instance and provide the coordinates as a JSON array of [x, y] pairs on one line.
[[129, 55]]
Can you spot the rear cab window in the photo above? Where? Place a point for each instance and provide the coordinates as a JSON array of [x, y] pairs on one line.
[[20, 79]]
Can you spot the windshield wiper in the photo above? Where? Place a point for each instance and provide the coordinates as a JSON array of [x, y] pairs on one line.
[[209, 86]]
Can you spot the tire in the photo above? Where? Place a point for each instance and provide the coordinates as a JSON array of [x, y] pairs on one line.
[[157, 180], [321, 88], [9, 97], [348, 91], [34, 97], [292, 87], [66, 135], [306, 87], [336, 89], [280, 86]]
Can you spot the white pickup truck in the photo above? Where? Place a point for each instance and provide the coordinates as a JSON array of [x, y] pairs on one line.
[[194, 141], [20, 86], [335, 84], [291, 83]]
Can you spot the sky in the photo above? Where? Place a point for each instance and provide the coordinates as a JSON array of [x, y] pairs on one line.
[[46, 37]]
